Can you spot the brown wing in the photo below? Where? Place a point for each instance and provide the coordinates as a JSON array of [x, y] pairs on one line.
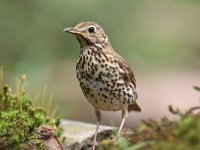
[[128, 77]]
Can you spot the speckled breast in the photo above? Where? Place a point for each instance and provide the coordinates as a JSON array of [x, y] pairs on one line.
[[101, 81]]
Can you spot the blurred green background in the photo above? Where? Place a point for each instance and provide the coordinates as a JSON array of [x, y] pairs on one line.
[[159, 39]]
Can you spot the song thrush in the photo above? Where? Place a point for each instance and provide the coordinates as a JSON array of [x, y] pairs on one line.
[[105, 78]]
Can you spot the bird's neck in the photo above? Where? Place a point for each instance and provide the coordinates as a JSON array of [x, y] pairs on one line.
[[96, 48]]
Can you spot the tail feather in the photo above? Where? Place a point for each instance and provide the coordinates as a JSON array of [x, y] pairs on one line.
[[134, 107]]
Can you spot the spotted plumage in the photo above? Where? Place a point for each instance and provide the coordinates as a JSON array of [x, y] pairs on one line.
[[105, 78], [102, 77]]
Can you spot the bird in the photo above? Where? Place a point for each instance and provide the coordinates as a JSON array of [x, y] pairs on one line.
[[106, 80]]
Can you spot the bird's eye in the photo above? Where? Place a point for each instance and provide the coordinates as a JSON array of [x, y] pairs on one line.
[[91, 29]]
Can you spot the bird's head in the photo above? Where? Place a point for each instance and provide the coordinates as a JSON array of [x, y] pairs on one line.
[[89, 33]]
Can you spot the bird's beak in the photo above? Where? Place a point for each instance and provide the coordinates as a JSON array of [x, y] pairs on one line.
[[72, 30], [68, 30]]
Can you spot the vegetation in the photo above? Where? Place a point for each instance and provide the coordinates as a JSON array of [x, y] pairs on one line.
[[180, 134], [19, 119]]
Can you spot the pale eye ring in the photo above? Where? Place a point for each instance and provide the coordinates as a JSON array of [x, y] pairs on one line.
[[91, 29]]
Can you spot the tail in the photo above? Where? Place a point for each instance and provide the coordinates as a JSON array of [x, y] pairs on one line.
[[134, 107]]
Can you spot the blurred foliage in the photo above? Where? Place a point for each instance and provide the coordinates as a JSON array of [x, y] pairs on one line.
[[19, 119], [178, 134], [147, 32]]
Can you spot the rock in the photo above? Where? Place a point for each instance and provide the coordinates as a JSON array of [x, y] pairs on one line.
[[76, 131]]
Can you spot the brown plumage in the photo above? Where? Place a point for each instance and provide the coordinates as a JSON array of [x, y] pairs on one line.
[[105, 78]]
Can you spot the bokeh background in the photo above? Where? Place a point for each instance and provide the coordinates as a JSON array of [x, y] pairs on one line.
[[159, 39]]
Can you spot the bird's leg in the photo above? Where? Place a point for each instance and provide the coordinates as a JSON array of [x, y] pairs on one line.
[[124, 116], [98, 116]]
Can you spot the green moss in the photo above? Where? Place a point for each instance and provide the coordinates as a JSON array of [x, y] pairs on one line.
[[19, 118]]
